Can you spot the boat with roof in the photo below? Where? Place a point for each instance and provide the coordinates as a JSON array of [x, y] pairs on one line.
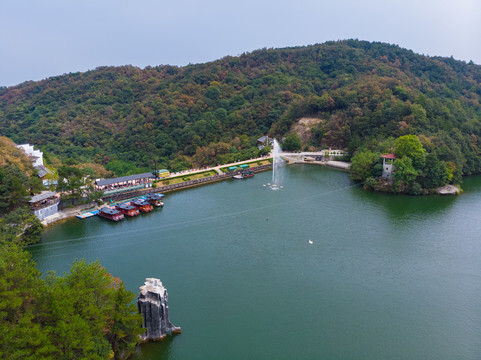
[[247, 173], [155, 199], [111, 214], [127, 209], [142, 205]]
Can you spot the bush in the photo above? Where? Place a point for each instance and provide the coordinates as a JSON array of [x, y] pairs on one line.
[[415, 189], [370, 184]]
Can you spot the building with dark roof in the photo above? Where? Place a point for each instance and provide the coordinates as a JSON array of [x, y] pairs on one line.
[[44, 204], [124, 183], [264, 141]]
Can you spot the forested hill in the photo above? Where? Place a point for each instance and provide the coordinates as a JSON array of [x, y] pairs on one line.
[[363, 92]]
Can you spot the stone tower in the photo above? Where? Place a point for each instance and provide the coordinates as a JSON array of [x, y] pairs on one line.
[[152, 303]]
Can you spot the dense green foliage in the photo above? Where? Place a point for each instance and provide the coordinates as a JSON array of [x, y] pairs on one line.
[[415, 171], [17, 222], [126, 117], [292, 142], [362, 165], [86, 314]]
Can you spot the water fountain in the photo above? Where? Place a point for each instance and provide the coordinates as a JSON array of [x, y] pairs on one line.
[[278, 164]]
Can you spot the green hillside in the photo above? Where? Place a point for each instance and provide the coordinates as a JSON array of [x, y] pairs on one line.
[[202, 114]]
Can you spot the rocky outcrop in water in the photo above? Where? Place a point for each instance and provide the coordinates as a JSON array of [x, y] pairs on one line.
[[152, 303], [448, 190]]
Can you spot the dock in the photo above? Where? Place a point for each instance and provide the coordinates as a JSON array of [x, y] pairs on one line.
[[87, 214]]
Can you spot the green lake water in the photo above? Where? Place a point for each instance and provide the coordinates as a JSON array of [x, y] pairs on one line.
[[386, 277]]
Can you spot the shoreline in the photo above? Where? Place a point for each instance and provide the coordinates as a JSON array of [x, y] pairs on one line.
[[67, 213], [70, 213]]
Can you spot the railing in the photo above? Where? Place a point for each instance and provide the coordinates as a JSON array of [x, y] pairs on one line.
[[127, 188], [41, 206]]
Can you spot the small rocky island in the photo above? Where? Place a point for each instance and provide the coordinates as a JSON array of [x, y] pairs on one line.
[[152, 303]]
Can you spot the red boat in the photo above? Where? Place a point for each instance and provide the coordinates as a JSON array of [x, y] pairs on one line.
[[127, 210], [142, 205], [111, 214], [155, 199]]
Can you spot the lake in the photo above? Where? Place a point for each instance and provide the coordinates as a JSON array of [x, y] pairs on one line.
[[386, 276]]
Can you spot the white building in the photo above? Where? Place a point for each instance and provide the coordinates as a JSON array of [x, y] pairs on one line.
[[36, 156]]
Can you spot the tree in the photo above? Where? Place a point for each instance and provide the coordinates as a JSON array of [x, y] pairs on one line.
[[86, 314], [435, 172], [35, 184], [125, 325], [14, 185], [292, 142], [20, 288], [90, 314], [20, 226], [70, 180], [106, 305], [404, 170], [362, 164], [410, 146]]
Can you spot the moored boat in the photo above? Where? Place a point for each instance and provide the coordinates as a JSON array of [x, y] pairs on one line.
[[142, 205], [238, 177], [111, 214], [127, 210], [155, 199], [248, 173]]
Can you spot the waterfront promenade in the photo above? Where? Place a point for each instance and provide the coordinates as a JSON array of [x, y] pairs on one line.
[[218, 167], [301, 157]]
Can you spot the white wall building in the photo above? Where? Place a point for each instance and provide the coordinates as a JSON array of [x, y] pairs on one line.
[[36, 156]]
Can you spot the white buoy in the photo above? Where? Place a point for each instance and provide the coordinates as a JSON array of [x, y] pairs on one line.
[[310, 242]]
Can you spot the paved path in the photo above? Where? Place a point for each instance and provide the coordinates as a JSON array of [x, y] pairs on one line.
[[330, 152], [339, 164], [218, 168]]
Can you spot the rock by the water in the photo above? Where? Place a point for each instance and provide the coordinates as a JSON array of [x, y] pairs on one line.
[[152, 303], [448, 190]]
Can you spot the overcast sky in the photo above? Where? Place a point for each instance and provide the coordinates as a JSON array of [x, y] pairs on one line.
[[44, 38]]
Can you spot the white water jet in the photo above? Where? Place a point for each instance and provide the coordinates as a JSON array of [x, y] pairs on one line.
[[278, 164]]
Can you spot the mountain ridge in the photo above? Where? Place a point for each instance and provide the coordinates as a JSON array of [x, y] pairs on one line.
[[364, 90]]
